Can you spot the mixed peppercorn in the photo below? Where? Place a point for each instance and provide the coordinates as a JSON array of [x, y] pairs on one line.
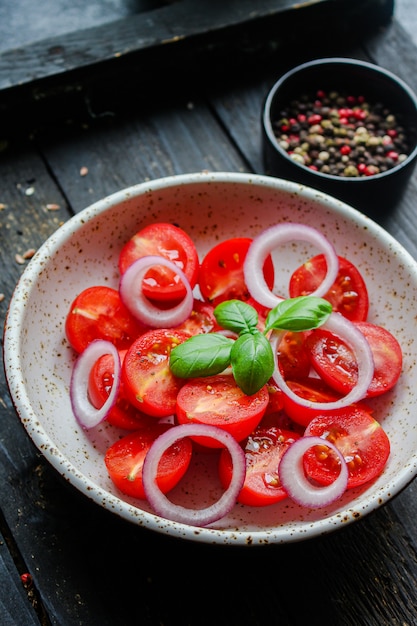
[[341, 135]]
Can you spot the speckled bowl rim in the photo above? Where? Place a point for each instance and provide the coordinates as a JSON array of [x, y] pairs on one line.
[[12, 362]]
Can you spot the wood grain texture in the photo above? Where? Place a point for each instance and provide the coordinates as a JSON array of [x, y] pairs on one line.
[[90, 567], [54, 74]]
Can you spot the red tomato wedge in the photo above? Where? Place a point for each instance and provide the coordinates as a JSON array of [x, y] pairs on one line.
[[294, 358], [221, 272], [361, 439], [336, 364], [348, 296], [124, 461], [201, 320], [123, 414], [311, 388], [263, 450], [276, 402], [218, 401], [171, 242], [99, 313], [148, 381]]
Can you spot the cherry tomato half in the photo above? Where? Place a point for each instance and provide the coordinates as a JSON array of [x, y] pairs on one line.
[[98, 313], [334, 361], [123, 414], [218, 401], [171, 242], [310, 388], [263, 450], [124, 461], [201, 320], [294, 358], [148, 381], [361, 439], [221, 272], [348, 295]]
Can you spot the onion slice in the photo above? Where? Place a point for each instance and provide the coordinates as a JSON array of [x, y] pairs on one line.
[[271, 238], [296, 483], [177, 513], [140, 306], [357, 342], [84, 411]]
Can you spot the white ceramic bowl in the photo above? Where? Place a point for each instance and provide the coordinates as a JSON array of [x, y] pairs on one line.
[[210, 207]]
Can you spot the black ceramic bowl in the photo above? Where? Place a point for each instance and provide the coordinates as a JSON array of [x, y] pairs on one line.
[[372, 194]]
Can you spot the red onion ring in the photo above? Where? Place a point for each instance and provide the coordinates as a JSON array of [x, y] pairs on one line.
[[357, 342], [177, 513], [139, 305], [271, 238], [84, 411], [296, 483]]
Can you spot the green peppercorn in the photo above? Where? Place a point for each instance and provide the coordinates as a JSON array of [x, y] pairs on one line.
[[351, 171]]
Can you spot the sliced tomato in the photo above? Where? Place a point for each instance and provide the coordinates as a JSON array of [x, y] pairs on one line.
[[218, 401], [148, 381], [221, 272], [348, 295], [98, 313], [276, 401], [361, 439], [294, 358], [124, 461], [123, 414], [201, 320], [263, 450], [336, 364], [310, 388], [171, 242]]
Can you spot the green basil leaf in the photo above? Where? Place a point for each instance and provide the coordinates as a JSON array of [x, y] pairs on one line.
[[236, 315], [298, 314], [201, 355], [252, 361]]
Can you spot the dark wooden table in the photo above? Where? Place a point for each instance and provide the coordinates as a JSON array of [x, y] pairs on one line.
[[81, 565]]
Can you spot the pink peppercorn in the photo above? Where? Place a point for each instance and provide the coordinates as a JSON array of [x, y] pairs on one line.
[[359, 114], [345, 112], [314, 119], [345, 149]]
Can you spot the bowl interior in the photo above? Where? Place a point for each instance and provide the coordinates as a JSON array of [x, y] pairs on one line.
[[210, 207]]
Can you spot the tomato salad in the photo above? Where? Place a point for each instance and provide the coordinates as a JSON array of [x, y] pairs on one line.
[[276, 385]]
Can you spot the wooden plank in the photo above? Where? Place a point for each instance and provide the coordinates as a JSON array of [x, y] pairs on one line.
[[170, 137], [23, 22], [128, 52], [16, 605]]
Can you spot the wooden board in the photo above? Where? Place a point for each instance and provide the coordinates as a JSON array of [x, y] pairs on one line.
[[146, 44]]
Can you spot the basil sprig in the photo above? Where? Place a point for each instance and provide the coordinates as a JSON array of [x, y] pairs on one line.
[[250, 355]]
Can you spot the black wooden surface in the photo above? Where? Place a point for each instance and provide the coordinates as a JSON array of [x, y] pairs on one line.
[[175, 36], [88, 567]]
